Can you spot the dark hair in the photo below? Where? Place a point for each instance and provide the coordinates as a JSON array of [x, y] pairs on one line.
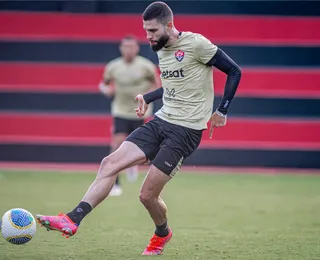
[[159, 11]]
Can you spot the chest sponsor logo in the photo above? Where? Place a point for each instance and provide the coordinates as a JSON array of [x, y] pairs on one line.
[[172, 74]]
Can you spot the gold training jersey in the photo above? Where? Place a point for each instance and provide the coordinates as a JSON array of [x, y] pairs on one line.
[[130, 79], [187, 81]]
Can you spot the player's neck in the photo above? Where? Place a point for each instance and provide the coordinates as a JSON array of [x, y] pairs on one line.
[[129, 61], [173, 37]]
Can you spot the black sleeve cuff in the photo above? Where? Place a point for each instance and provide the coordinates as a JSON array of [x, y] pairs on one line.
[[153, 96]]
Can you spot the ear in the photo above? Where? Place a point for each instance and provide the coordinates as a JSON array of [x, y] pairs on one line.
[[170, 25]]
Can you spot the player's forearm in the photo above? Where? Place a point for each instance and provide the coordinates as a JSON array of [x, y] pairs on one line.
[[153, 95], [230, 89], [224, 63]]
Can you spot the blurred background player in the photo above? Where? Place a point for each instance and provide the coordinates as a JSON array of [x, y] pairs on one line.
[[123, 79]]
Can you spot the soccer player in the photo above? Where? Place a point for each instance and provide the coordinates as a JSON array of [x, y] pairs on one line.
[[129, 75], [185, 61]]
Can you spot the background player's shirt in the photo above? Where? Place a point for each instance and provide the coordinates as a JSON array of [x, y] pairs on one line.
[[187, 81], [130, 79]]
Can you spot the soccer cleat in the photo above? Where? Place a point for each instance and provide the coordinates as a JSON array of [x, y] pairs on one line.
[[157, 244], [61, 223]]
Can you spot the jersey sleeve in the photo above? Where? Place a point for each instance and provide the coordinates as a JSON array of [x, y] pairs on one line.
[[107, 73], [204, 50]]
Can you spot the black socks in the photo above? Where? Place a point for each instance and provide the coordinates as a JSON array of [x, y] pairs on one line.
[[79, 212], [163, 230]]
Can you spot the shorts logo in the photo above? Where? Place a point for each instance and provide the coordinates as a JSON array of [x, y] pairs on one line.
[[168, 164], [179, 55]]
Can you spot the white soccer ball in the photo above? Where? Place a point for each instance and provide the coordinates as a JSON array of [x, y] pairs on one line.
[[18, 226]]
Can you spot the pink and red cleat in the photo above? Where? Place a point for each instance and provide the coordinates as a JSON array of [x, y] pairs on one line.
[[61, 223], [157, 244]]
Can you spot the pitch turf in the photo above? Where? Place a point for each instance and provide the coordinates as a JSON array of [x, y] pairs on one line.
[[218, 216]]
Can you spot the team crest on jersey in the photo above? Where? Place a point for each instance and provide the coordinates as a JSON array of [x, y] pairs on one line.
[[179, 55]]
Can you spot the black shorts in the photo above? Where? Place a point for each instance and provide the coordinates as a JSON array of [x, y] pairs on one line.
[[126, 126], [166, 145]]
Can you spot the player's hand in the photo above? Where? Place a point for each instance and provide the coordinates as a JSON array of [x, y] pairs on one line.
[[106, 90], [217, 120], [142, 106]]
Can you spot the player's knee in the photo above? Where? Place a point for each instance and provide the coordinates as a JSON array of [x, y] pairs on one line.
[[146, 198], [107, 166]]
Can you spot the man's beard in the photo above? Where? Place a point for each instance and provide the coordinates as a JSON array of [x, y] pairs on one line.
[[160, 43]]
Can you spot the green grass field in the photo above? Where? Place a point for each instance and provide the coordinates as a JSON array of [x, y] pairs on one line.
[[218, 216]]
